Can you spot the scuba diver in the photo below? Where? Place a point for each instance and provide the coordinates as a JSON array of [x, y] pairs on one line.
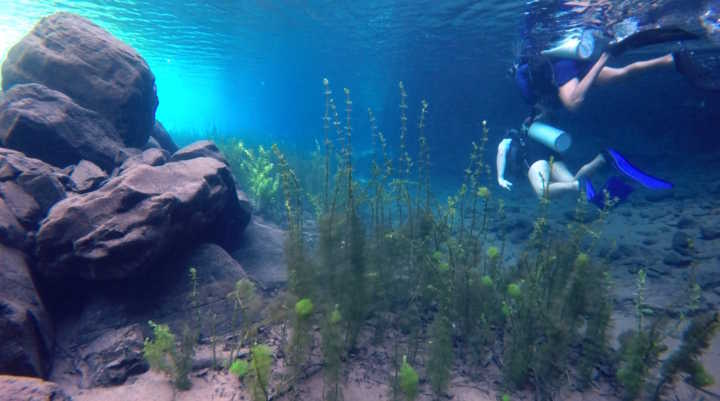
[[561, 74], [537, 150]]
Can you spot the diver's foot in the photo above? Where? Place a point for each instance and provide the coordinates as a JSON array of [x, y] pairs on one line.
[[668, 59]]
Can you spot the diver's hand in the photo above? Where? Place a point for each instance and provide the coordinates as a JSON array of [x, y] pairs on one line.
[[505, 184]]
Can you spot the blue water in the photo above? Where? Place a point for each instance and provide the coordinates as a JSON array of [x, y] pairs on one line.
[[255, 68]]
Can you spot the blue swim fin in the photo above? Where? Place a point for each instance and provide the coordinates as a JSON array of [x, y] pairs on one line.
[[636, 174], [615, 187]]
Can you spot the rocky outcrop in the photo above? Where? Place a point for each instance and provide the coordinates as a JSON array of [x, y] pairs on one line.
[[87, 176], [199, 149], [136, 218], [161, 136], [11, 231], [14, 388], [113, 357], [21, 204], [26, 334], [262, 253], [43, 182], [149, 157], [70, 54], [48, 125], [107, 335]]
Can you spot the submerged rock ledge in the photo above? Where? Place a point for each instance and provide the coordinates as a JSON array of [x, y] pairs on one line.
[[97, 203]]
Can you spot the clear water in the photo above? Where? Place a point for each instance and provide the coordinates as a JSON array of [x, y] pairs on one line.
[[255, 68]]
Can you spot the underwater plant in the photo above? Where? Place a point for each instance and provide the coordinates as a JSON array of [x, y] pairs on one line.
[[259, 375], [332, 349], [257, 175], [299, 347], [440, 356], [408, 380], [163, 354], [696, 338], [244, 304], [239, 368]]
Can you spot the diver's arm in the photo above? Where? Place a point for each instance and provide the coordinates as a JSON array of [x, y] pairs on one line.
[[500, 162], [572, 94]]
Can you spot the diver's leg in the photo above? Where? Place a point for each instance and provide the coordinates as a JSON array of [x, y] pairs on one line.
[[539, 176], [560, 173], [590, 168], [609, 74]]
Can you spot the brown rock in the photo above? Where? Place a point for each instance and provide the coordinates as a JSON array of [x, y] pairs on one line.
[[262, 253], [48, 125], [114, 356], [163, 139], [26, 334], [87, 176], [45, 183], [11, 232], [22, 205], [70, 54], [135, 219], [199, 149], [16, 388]]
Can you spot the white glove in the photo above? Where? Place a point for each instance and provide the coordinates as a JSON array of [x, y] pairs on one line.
[[505, 184]]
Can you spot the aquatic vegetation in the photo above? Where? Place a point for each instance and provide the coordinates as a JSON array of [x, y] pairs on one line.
[[259, 375], [163, 354], [696, 338], [256, 174], [239, 368], [244, 305], [332, 349], [387, 256], [441, 356], [408, 380], [299, 347], [639, 352]]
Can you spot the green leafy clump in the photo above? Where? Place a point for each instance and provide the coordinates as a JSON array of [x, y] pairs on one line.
[[441, 356], [244, 303], [259, 374], [696, 338], [408, 380], [239, 368], [493, 252], [639, 352], [257, 175], [304, 308], [164, 356], [332, 349], [514, 290]]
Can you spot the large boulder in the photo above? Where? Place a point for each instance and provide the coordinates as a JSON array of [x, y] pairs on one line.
[[199, 149], [44, 183], [135, 219], [21, 204], [87, 176], [113, 357], [26, 334], [262, 253], [11, 231], [48, 125], [150, 157], [70, 54], [107, 332], [161, 136], [14, 388]]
